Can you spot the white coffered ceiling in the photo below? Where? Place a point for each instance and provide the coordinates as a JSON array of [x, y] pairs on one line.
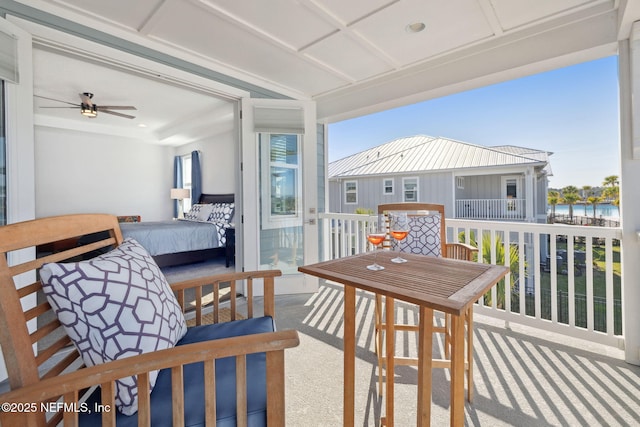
[[356, 56]]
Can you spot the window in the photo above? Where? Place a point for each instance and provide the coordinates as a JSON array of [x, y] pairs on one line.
[[460, 182], [387, 187], [280, 179], [186, 180], [351, 192], [410, 189]]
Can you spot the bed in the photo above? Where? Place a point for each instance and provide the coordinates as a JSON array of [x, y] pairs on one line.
[[190, 240]]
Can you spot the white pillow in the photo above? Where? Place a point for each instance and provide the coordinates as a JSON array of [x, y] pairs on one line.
[[115, 306], [199, 212]]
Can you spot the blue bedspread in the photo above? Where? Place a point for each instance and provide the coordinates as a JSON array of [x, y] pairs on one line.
[[168, 237]]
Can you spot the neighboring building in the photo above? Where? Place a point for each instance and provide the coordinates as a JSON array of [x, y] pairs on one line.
[[472, 181]]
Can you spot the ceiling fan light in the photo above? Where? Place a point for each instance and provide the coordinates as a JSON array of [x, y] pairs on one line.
[[88, 110]]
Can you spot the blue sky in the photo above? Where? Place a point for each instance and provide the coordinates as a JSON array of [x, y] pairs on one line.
[[572, 112]]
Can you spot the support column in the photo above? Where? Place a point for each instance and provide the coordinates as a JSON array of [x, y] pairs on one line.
[[529, 184], [629, 66]]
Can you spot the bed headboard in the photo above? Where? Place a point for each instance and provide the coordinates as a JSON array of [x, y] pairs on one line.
[[216, 198]]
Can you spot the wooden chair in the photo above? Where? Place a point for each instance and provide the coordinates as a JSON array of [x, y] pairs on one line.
[[433, 214], [48, 380]]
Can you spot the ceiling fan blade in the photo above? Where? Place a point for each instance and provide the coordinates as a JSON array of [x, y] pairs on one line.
[[118, 107], [57, 100], [74, 107], [126, 116]]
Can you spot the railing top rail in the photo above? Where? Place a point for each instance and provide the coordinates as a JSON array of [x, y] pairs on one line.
[[555, 229], [486, 200], [355, 217]]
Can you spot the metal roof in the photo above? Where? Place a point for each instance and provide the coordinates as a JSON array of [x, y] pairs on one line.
[[424, 153]]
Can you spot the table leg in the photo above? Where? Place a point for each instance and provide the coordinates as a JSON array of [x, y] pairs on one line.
[[457, 369], [349, 355], [390, 337], [425, 356]]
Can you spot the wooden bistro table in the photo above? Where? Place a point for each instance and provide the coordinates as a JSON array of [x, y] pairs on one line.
[[447, 285]]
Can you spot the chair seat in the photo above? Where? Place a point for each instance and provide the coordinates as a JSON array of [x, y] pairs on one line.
[[161, 402]]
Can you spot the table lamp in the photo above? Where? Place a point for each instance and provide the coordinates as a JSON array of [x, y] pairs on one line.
[[180, 194]]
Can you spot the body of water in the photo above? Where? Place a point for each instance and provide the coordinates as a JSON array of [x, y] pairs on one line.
[[605, 210]]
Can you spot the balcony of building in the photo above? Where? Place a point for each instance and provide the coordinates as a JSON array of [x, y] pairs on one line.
[[491, 209]]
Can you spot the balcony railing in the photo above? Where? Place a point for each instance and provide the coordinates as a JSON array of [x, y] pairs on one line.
[[491, 209], [576, 292]]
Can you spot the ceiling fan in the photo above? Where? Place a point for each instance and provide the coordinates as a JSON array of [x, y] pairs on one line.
[[89, 109]]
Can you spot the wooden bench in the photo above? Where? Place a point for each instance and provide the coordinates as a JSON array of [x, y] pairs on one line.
[[47, 375]]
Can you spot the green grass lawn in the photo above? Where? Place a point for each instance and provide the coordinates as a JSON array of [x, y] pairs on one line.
[[580, 291], [599, 276]]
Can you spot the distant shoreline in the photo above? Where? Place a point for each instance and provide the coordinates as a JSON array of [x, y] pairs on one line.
[[603, 210]]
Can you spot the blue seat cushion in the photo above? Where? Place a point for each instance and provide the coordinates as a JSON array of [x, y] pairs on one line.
[[161, 402]]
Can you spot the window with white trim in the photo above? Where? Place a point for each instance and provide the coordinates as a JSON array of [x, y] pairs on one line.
[[351, 192], [387, 186], [460, 182], [410, 189]]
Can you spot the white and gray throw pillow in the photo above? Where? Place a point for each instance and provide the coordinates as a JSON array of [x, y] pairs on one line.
[[199, 212], [222, 212], [423, 237], [115, 306]]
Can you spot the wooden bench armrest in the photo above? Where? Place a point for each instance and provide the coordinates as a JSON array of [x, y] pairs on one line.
[[224, 278], [267, 276], [460, 251], [69, 385]]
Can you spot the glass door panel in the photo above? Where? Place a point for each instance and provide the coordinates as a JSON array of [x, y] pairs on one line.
[[281, 225]]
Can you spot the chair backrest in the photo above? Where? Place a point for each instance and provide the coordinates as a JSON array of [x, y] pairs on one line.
[[30, 334], [427, 230]]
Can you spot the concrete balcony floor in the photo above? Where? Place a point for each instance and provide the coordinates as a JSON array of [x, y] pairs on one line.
[[522, 376]]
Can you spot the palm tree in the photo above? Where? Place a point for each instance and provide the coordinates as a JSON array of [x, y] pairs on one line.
[[553, 198], [514, 263], [612, 190], [594, 200], [570, 196], [587, 191]]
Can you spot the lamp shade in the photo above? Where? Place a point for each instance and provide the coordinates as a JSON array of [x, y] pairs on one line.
[[180, 193]]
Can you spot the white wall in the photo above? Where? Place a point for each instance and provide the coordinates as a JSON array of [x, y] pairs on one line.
[[78, 172], [81, 172], [218, 160]]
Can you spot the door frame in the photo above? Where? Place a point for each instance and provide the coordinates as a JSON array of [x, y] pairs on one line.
[[297, 282]]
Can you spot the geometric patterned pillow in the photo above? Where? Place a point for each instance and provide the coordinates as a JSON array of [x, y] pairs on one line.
[[222, 212], [116, 305], [423, 237], [221, 228], [199, 212]]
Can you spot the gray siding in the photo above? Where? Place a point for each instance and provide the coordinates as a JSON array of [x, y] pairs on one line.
[[432, 188]]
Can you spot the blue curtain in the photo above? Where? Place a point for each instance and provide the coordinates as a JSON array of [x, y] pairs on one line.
[[177, 180], [196, 178]]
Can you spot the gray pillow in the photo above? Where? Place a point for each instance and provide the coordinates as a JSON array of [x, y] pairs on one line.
[[114, 306]]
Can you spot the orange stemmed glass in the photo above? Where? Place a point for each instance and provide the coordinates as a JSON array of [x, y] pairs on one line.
[[398, 228], [375, 236]]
